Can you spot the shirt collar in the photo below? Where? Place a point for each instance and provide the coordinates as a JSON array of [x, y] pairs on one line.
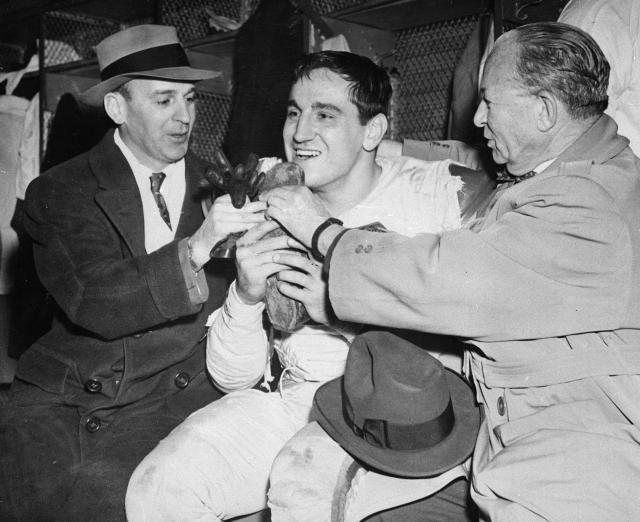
[[540, 168], [504, 176], [138, 168]]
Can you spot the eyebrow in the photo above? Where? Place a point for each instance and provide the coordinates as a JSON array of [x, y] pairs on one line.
[[326, 106], [161, 92], [318, 106]]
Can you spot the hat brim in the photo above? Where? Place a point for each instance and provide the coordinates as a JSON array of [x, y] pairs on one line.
[[453, 450], [94, 96]]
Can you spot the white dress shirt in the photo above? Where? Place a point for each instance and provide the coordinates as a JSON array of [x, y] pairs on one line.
[[156, 231]]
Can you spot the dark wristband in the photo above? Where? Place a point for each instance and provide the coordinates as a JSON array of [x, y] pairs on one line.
[[327, 258], [316, 236]]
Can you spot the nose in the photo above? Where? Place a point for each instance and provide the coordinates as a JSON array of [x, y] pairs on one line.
[[303, 130], [184, 112], [480, 117]]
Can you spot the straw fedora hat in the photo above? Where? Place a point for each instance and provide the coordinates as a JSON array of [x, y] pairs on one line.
[[397, 409], [141, 51]]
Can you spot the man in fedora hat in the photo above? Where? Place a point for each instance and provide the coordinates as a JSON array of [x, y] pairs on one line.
[[120, 242], [545, 290]]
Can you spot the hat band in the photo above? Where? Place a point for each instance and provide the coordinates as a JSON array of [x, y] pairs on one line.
[[160, 57], [403, 437]]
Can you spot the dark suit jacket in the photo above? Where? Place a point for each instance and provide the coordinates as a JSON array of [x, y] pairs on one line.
[[126, 320]]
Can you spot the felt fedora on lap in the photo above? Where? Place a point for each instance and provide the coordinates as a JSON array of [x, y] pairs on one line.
[[397, 409], [141, 51]]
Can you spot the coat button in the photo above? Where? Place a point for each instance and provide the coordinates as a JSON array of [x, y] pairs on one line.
[[368, 249], [359, 249], [93, 424], [182, 380], [501, 406], [137, 336], [92, 386]]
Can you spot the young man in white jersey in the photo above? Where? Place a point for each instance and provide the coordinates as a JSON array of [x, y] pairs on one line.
[[216, 464]]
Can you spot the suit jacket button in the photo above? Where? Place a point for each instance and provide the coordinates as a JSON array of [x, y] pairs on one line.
[[359, 249], [368, 249], [137, 336], [502, 408], [182, 380], [93, 424], [93, 386]]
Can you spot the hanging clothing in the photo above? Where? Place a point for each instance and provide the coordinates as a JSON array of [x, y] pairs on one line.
[[267, 47], [13, 110], [464, 97], [29, 151], [32, 309], [616, 28], [74, 130]]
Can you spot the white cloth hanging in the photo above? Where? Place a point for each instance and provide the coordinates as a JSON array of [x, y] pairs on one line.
[[13, 111]]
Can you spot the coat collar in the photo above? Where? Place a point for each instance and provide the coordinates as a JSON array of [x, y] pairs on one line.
[[599, 144], [119, 198]]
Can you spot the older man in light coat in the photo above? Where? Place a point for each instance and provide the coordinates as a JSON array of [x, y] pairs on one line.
[[546, 290]]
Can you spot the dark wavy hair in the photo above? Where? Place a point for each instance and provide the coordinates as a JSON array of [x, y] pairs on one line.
[[566, 61], [370, 89]]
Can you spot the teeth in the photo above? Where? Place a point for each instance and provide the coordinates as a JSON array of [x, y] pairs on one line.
[[306, 154]]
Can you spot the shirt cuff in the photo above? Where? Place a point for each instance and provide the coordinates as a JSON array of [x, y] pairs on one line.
[[196, 282], [236, 307]]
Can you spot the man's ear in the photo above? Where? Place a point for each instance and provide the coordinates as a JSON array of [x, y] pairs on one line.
[[375, 130], [547, 111], [116, 107]]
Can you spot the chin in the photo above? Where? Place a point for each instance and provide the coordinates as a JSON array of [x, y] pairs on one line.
[[498, 158], [309, 179], [177, 154], [296, 161]]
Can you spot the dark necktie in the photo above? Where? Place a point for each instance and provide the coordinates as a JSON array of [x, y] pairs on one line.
[[156, 182]]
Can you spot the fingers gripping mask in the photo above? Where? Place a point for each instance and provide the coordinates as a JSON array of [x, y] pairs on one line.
[[244, 182]]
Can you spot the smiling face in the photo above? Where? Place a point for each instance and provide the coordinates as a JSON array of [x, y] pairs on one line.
[[508, 113], [323, 133], [156, 120]]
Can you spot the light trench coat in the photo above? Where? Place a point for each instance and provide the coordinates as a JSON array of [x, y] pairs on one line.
[[546, 291]]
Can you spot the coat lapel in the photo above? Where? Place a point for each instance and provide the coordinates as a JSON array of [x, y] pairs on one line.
[[119, 198], [118, 194], [192, 213]]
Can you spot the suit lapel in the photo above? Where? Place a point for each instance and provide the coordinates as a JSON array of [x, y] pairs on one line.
[[191, 214], [118, 194], [119, 198]]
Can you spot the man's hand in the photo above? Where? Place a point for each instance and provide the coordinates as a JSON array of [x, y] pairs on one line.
[[304, 283], [223, 219], [254, 261], [297, 209]]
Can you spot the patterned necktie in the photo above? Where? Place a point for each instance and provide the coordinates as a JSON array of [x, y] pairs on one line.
[[505, 177], [156, 182]]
